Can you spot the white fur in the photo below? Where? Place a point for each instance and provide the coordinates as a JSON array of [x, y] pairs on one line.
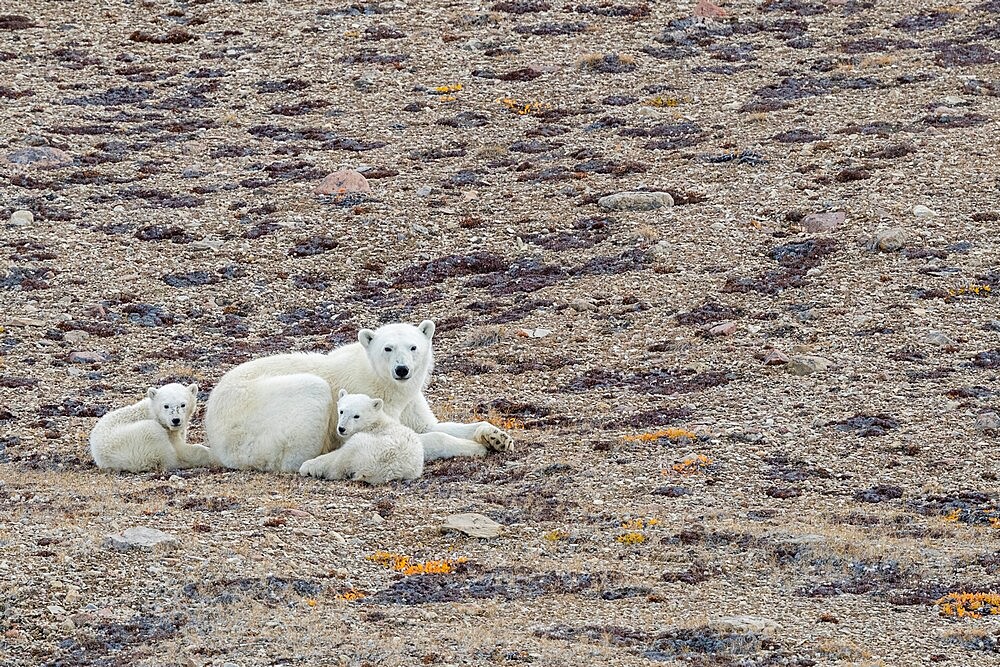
[[277, 412], [151, 434], [378, 448]]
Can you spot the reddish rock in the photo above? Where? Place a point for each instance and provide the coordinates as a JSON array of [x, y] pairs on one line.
[[40, 156], [823, 222], [343, 182], [724, 329], [775, 358], [87, 357], [709, 10]]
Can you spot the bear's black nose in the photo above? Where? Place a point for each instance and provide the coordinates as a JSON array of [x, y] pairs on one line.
[[177, 421], [342, 430], [402, 372]]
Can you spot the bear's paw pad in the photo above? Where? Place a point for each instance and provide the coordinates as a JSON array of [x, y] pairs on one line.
[[494, 438]]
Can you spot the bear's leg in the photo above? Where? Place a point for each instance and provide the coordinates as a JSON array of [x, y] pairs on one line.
[[287, 421], [139, 447], [328, 466], [419, 417], [195, 456], [439, 445]]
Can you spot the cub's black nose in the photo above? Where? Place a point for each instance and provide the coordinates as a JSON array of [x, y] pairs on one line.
[[402, 372], [177, 422], [342, 430]]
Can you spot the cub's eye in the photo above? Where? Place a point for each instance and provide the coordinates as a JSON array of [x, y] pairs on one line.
[[388, 349], [357, 416], [413, 349], [166, 407], [183, 405], [341, 412]]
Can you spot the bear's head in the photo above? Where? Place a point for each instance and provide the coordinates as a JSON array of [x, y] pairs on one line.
[[356, 413], [173, 404], [400, 353]]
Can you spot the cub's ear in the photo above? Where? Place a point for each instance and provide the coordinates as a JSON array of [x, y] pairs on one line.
[[376, 404], [151, 393], [365, 337], [426, 328], [193, 389], [343, 392]]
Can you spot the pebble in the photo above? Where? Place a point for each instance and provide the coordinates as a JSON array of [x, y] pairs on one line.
[[21, 218], [993, 325], [889, 240], [342, 182], [823, 222], [938, 338], [424, 191], [988, 422], [142, 538], [581, 305], [775, 358], [365, 83], [75, 336], [86, 357], [745, 625], [922, 211], [806, 364], [472, 524], [636, 201], [40, 156]]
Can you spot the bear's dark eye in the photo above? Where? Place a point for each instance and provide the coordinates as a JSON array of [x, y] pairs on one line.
[[388, 349], [183, 405], [166, 407], [357, 416], [341, 412], [413, 349]]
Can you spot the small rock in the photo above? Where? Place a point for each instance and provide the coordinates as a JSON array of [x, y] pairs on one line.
[[75, 336], [581, 305], [889, 240], [636, 201], [709, 10], [40, 156], [938, 338], [424, 191], [993, 325], [922, 211], [724, 329], [806, 315], [775, 358], [988, 422], [823, 222], [745, 625], [472, 524], [205, 244], [85, 357], [342, 182], [365, 83], [534, 333], [806, 364], [142, 538], [21, 218]]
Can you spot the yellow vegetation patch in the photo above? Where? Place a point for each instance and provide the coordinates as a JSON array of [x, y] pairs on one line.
[[524, 108], [557, 535], [669, 433], [662, 102], [692, 465], [350, 596], [407, 566], [975, 290], [973, 605], [633, 537], [633, 528], [448, 88]]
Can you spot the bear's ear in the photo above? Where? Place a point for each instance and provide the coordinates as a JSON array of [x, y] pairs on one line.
[[376, 404], [365, 337], [426, 328], [343, 392], [193, 389], [151, 393]]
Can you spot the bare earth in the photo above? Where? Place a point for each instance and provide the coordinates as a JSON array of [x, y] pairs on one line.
[[835, 508]]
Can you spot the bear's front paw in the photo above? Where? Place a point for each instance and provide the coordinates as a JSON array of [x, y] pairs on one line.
[[494, 438], [311, 468]]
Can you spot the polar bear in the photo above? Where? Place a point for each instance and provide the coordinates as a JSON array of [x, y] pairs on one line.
[[275, 413], [151, 434], [377, 448]]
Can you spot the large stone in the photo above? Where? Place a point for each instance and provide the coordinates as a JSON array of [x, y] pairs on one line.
[[988, 422], [343, 182], [40, 156], [472, 524], [889, 240], [636, 201], [745, 625], [807, 364], [86, 357], [823, 222], [21, 218], [142, 538]]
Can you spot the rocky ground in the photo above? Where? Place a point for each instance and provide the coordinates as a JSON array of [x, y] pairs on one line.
[[756, 427]]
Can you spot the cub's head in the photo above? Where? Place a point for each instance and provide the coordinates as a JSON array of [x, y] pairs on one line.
[[356, 413], [173, 404], [400, 352]]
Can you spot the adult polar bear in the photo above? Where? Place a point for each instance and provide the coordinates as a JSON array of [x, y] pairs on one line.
[[277, 412]]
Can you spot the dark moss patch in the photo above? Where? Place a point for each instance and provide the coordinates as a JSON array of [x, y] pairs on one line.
[[867, 426], [313, 245], [879, 494]]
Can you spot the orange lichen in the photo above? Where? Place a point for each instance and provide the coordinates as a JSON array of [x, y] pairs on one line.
[[668, 433], [556, 535], [692, 465], [524, 108], [407, 566], [975, 290], [664, 102], [973, 605], [630, 538], [449, 88]]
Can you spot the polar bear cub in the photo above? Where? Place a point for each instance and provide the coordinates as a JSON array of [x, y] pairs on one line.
[[377, 449], [151, 434]]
